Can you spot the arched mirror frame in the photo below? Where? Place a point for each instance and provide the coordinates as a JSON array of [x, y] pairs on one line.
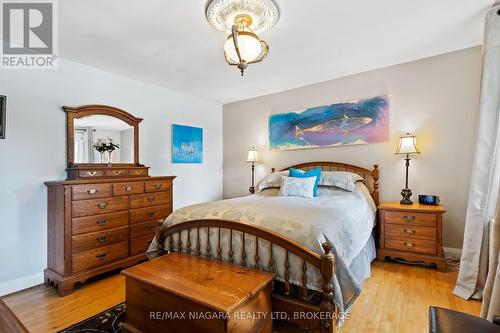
[[73, 113]]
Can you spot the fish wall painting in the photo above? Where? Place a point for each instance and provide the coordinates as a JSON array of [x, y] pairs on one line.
[[187, 144], [350, 123]]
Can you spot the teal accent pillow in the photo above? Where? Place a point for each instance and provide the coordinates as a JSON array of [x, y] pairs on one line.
[[311, 173]]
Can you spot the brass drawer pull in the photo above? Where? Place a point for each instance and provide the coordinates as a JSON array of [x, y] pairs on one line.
[[151, 227], [410, 231], [102, 238], [151, 214], [151, 199], [409, 219], [116, 173], [128, 189], [409, 244], [101, 256], [102, 205], [138, 172], [91, 173], [102, 222], [158, 186], [92, 191]]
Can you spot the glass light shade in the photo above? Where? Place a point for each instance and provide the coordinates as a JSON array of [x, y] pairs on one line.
[[252, 156], [249, 45], [407, 145]]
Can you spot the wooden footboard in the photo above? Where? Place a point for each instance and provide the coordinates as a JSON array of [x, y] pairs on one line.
[[323, 316]]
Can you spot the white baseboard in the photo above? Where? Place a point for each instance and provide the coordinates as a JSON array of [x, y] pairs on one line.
[[11, 286], [452, 252]]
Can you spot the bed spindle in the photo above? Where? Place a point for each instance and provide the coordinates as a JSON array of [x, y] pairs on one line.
[[257, 252], [188, 244], [230, 252], [271, 259], [287, 275], [198, 245], [171, 243], [243, 253], [208, 243], [303, 297], [179, 242], [219, 249]]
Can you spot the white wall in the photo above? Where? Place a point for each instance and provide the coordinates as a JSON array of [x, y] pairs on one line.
[[435, 98], [34, 151]]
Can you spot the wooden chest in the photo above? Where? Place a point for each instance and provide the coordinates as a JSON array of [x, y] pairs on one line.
[[98, 225], [411, 232], [189, 294]]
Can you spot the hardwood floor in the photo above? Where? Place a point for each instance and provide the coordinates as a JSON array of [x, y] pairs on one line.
[[395, 299]]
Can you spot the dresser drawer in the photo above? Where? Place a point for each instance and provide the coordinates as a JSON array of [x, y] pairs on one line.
[[411, 218], [150, 213], [411, 245], [138, 172], [117, 173], [158, 185], [410, 231], [141, 244], [101, 255], [99, 238], [98, 206], [91, 191], [128, 188], [90, 173], [141, 229], [99, 222], [152, 199]]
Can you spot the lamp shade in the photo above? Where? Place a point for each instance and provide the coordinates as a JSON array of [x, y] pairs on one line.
[[252, 155], [249, 45], [408, 145]]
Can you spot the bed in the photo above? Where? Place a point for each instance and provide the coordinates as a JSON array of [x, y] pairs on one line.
[[320, 249]]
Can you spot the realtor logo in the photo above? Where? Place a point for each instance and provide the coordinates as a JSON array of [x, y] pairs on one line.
[[28, 34]]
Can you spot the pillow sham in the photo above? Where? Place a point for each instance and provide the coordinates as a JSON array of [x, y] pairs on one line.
[[342, 179], [316, 173], [274, 179], [298, 187]]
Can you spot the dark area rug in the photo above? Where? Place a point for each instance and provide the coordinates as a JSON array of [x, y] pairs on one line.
[[105, 322]]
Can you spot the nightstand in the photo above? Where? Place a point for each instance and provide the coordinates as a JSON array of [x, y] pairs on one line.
[[412, 233]]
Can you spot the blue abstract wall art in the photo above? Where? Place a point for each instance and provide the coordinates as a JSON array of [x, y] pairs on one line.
[[187, 144], [350, 123]]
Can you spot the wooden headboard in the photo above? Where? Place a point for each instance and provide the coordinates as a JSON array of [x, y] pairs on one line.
[[370, 176]]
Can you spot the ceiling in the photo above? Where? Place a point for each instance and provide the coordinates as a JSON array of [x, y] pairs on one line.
[[169, 43]]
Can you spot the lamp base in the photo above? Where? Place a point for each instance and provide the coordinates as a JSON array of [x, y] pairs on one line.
[[406, 194]]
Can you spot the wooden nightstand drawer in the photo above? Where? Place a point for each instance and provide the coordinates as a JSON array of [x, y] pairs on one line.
[[411, 218], [409, 231], [411, 245]]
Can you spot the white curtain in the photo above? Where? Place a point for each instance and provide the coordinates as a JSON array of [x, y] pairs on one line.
[[479, 261]]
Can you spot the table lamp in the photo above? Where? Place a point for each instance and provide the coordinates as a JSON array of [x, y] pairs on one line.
[[407, 146], [252, 158]]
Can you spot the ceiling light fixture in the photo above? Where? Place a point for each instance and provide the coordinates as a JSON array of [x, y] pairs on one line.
[[243, 19]]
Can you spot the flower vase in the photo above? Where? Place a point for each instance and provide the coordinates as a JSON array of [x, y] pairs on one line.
[[110, 162], [101, 153]]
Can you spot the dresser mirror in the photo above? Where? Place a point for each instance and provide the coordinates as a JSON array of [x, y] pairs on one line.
[[101, 136], [92, 134]]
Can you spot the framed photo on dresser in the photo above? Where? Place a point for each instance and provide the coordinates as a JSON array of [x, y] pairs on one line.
[[3, 103]]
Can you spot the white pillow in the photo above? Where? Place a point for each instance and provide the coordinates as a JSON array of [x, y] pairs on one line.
[[342, 179], [274, 179], [298, 187]]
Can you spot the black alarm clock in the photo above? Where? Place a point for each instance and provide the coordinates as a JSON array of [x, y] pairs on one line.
[[426, 199]]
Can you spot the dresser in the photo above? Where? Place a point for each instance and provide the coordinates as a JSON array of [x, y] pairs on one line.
[[412, 233], [104, 215]]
